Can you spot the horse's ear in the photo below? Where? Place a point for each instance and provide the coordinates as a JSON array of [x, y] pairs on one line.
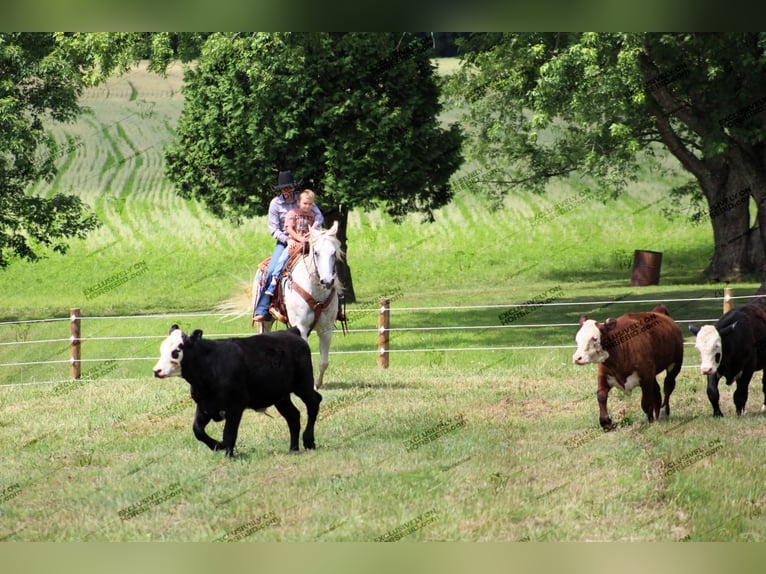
[[334, 229]]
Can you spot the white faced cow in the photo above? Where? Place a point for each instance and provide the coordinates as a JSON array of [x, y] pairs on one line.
[[227, 376], [733, 348], [630, 351]]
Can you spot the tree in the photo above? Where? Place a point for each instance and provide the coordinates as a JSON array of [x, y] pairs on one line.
[[356, 116], [42, 76], [601, 103]]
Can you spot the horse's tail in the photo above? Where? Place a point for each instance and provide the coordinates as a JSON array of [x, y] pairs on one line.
[[239, 304]]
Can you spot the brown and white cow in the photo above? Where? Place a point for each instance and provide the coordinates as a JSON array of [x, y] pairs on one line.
[[630, 351]]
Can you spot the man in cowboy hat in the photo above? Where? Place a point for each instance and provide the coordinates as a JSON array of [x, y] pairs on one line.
[[285, 200]]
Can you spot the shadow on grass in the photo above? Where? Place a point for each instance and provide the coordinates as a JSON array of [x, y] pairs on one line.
[[614, 271]]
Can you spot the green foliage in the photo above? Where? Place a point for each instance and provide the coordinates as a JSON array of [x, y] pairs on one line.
[[593, 103], [597, 105], [554, 104], [354, 115], [39, 82], [42, 76]]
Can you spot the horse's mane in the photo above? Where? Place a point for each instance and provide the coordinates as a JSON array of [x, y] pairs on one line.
[[330, 234]]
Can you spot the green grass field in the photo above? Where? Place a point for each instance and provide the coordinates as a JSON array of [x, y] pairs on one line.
[[474, 432]]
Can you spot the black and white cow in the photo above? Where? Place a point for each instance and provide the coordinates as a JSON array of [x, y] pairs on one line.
[[734, 348], [227, 376]]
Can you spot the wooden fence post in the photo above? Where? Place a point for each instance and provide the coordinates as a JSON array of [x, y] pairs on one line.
[[74, 343], [384, 323], [728, 303]]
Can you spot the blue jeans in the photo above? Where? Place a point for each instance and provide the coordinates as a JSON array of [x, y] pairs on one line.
[[283, 257], [262, 308]]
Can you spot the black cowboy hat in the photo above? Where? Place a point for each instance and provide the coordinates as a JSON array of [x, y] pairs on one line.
[[285, 179]]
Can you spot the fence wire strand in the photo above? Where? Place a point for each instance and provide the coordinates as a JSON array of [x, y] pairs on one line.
[[175, 316]]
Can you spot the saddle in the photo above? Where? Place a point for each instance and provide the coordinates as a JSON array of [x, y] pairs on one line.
[[277, 308]]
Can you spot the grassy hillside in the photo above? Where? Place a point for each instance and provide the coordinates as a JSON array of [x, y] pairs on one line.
[[521, 458], [112, 158]]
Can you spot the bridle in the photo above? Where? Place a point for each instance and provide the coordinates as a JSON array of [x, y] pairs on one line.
[[317, 306]]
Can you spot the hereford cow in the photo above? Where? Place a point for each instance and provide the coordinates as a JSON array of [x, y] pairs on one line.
[[734, 348], [630, 351], [227, 376]]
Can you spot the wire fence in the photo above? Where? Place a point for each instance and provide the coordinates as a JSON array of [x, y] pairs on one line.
[[26, 362]]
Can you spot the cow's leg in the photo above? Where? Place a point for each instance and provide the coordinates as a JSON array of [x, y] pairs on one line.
[[292, 415], [602, 394], [741, 392], [668, 387], [230, 430], [651, 399], [311, 399], [201, 418], [713, 395]]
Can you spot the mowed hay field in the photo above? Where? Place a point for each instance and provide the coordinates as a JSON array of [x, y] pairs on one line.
[[481, 429]]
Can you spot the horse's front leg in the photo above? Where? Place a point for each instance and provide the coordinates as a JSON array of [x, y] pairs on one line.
[[325, 336]]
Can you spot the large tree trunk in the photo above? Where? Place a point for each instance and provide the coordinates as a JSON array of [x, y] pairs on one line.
[[726, 182], [751, 162], [728, 196], [340, 214]]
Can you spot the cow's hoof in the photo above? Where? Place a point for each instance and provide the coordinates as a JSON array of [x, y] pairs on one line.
[[718, 414], [606, 425], [309, 445]]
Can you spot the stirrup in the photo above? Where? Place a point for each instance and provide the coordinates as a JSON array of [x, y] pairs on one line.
[[277, 315]]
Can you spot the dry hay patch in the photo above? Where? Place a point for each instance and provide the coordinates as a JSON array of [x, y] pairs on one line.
[[510, 407]]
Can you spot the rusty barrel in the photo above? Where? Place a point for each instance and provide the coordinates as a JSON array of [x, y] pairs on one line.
[[646, 267]]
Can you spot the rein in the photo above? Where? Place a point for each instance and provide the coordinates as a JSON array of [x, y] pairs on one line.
[[315, 305]]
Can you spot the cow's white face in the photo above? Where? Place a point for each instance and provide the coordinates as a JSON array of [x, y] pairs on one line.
[[589, 348], [708, 343], [171, 355]]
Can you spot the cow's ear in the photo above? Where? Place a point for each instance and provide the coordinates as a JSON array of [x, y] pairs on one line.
[[728, 329], [196, 335], [661, 309], [694, 329], [173, 328], [608, 325], [583, 318]]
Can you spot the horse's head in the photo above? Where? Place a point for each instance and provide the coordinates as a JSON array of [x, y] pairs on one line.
[[325, 250]]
